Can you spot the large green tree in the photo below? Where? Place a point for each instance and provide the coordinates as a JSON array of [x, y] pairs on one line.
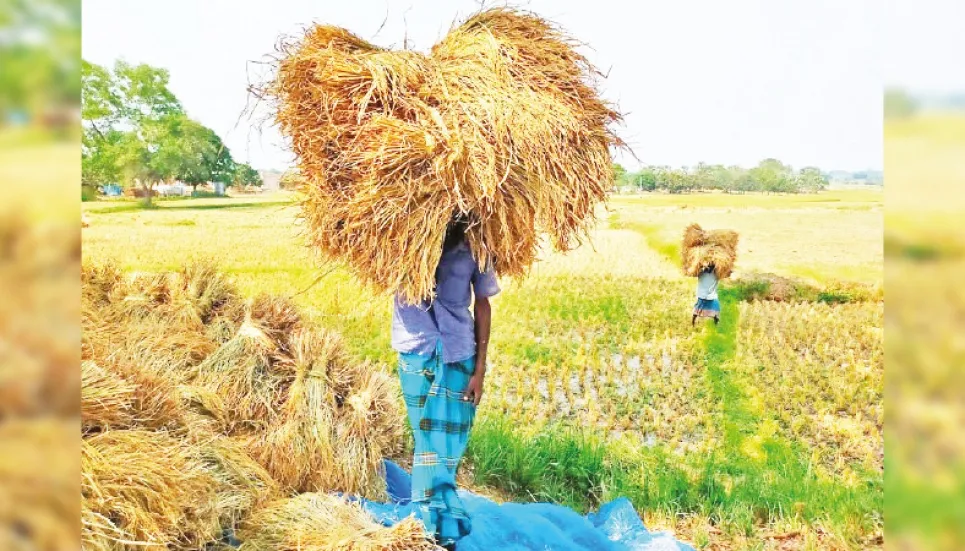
[[204, 157], [619, 175], [772, 176], [645, 179], [136, 132]]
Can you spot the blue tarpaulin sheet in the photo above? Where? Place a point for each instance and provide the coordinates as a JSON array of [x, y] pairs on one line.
[[533, 526]]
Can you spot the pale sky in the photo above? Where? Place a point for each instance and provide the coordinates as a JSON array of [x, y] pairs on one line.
[[700, 80]]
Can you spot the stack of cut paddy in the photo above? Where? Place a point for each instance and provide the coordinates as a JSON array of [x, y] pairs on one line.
[[199, 407], [703, 248], [501, 121]]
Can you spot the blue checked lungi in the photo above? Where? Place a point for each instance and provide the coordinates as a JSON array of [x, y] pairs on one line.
[[440, 421], [707, 308]]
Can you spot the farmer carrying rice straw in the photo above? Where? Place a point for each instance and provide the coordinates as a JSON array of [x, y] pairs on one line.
[[708, 255], [442, 366], [707, 304]]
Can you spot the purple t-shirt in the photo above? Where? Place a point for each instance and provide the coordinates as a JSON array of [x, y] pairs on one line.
[[419, 328]]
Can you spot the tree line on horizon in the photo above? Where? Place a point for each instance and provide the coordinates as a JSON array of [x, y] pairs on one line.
[[769, 176]]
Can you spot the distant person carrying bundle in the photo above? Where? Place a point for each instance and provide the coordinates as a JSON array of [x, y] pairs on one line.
[[708, 306], [709, 256]]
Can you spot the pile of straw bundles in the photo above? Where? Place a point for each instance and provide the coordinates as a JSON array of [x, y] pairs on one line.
[[702, 248], [500, 122], [199, 406]]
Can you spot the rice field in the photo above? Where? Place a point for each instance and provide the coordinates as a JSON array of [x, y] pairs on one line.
[[762, 433]]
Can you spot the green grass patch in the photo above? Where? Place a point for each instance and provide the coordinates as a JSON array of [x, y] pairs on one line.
[[654, 235]]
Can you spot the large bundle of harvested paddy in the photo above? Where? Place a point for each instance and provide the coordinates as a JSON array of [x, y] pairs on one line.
[[703, 248], [319, 522], [500, 122]]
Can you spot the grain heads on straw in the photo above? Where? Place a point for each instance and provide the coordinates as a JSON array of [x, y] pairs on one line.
[[146, 318], [702, 248], [243, 483], [367, 429], [501, 122], [247, 373], [322, 522]]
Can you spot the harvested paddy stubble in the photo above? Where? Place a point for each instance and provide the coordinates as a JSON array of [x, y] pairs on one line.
[[501, 121]]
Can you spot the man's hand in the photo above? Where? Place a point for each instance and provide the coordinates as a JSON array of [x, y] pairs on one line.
[[474, 390]]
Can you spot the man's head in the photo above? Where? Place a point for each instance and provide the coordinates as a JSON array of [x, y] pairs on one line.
[[456, 231]]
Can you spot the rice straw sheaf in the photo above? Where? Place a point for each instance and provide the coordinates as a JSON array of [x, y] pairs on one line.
[[38, 484], [115, 396], [248, 373], [277, 316], [701, 248], [146, 490], [243, 483], [310, 446], [501, 121], [367, 429], [322, 522]]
